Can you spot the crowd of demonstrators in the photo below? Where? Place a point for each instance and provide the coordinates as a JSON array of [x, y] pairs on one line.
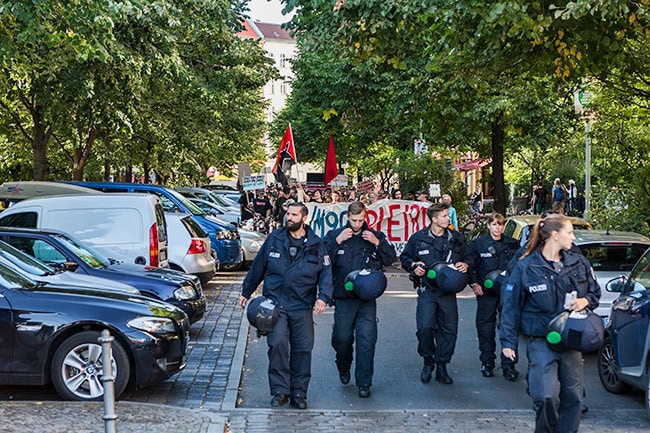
[[560, 199]]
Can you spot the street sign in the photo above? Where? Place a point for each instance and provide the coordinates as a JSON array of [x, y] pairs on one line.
[[253, 182], [434, 190], [420, 146]]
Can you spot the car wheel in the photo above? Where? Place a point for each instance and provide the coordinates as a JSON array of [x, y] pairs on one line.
[[607, 369], [77, 368]]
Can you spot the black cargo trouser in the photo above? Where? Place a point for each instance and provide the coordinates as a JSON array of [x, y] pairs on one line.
[[355, 319], [486, 323], [290, 345], [436, 317]]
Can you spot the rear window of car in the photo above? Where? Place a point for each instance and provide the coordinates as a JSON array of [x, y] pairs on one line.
[[509, 229], [613, 257], [194, 228]]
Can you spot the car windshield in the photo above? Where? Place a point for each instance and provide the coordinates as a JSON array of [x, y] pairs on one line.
[[191, 207], [24, 261], [91, 257], [613, 256], [11, 280], [223, 201], [641, 274]]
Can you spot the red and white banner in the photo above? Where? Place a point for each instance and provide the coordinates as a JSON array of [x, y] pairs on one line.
[[397, 219]]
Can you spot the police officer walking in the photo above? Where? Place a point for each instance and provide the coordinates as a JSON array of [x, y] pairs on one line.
[[546, 281], [297, 274], [353, 248], [492, 253], [437, 310]]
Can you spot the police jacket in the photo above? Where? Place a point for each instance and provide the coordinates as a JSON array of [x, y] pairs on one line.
[[356, 253], [490, 255], [291, 285], [535, 293], [420, 248]]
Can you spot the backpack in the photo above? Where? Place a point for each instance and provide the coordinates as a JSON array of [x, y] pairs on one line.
[[558, 193]]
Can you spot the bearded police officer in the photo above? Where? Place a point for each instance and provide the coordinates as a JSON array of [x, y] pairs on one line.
[[437, 310], [297, 274], [353, 248]]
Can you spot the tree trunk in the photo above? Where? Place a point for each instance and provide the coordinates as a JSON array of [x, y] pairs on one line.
[[81, 154], [497, 167], [108, 144], [40, 141]]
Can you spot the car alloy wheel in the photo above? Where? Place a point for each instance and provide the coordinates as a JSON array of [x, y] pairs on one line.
[[607, 369], [77, 367]]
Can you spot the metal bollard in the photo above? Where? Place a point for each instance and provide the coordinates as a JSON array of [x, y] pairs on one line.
[[108, 379]]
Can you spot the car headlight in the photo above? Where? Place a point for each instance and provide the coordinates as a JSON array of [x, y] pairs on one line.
[[153, 325], [184, 292], [255, 246]]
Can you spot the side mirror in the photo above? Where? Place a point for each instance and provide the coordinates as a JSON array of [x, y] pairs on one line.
[[70, 266], [616, 285]]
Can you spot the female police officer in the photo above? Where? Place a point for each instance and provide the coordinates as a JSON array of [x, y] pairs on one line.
[[493, 252], [534, 294]]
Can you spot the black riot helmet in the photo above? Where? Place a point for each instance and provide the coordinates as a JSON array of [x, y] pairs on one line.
[[365, 284], [262, 314]]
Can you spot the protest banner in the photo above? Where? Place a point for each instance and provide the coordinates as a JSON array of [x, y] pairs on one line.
[[254, 182], [397, 219]]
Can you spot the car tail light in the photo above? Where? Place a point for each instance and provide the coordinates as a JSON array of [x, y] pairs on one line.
[[197, 246], [153, 245]]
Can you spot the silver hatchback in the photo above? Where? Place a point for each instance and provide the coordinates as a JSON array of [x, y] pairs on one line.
[[611, 254], [189, 247]]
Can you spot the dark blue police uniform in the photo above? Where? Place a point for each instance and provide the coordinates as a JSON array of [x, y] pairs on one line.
[[490, 255], [293, 284], [352, 316], [437, 311], [533, 296]]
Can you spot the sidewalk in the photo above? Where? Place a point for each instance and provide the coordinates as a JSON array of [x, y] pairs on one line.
[[81, 417]]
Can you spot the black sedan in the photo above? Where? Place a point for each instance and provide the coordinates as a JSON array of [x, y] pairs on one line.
[[60, 250], [50, 333], [624, 358]]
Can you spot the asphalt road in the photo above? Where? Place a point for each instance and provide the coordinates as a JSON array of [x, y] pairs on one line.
[[397, 368]]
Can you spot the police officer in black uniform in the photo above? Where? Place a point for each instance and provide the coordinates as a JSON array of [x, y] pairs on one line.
[[437, 310], [297, 274], [492, 252], [355, 247], [535, 293]]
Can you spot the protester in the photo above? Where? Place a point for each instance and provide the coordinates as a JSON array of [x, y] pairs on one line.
[[558, 194], [397, 195], [535, 293], [477, 200], [297, 275], [453, 217], [492, 253], [353, 248], [284, 194], [540, 195], [437, 310]]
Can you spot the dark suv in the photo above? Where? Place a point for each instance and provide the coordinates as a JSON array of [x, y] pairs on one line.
[[624, 358]]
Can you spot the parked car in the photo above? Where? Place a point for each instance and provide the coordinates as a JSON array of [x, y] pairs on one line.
[[251, 242], [624, 358], [189, 247], [34, 269], [520, 227], [225, 242], [209, 196], [50, 333], [58, 249], [610, 253], [215, 210], [125, 227]]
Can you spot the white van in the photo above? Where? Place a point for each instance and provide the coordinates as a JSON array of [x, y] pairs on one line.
[[128, 227]]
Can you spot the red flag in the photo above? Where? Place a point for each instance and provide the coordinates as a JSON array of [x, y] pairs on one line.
[[331, 169], [286, 151]]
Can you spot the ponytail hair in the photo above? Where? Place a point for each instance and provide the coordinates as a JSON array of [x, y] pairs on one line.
[[543, 229]]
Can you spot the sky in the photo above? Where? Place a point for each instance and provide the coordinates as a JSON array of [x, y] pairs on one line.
[[267, 11]]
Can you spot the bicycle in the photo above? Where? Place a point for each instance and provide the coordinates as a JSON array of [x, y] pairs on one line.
[[476, 226]]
